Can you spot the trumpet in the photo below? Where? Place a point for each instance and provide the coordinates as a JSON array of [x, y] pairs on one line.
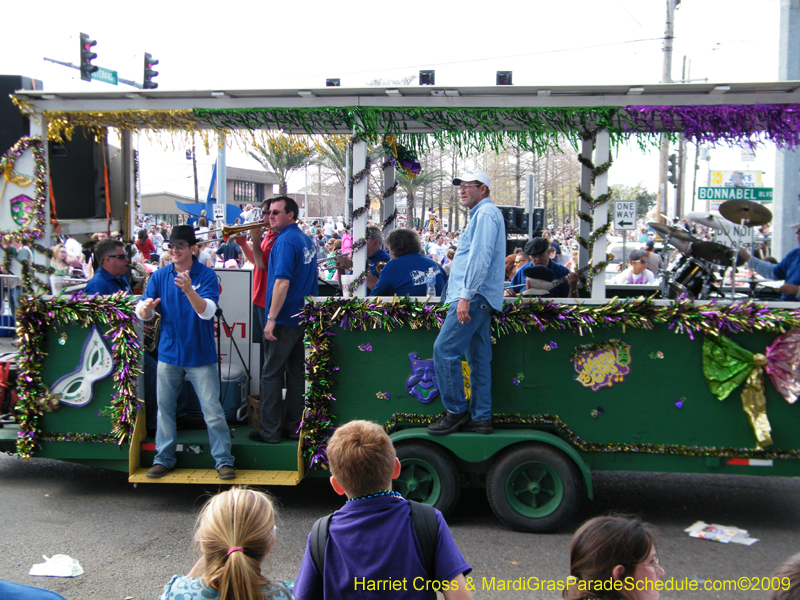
[[239, 230]]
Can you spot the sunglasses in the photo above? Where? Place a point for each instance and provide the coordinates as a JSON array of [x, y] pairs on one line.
[[643, 261], [178, 246], [274, 213], [119, 256]]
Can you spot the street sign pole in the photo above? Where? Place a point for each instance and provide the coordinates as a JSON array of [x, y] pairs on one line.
[[625, 220], [76, 67]]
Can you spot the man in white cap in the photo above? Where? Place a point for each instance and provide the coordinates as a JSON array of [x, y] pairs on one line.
[[474, 291], [788, 269]]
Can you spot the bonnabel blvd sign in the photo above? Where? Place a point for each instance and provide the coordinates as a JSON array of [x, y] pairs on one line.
[[731, 193]]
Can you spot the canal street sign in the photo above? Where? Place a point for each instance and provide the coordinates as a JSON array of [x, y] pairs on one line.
[[731, 193], [105, 75]]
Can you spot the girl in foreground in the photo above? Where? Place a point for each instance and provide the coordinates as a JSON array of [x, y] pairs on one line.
[[235, 532], [613, 558]]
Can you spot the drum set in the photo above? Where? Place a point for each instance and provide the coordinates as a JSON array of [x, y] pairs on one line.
[[695, 270]]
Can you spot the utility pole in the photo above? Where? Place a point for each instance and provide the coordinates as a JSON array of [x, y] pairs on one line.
[[681, 157], [194, 167], [787, 162], [666, 77]]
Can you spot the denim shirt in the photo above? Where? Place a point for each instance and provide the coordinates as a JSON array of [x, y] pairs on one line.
[[788, 270], [479, 262]]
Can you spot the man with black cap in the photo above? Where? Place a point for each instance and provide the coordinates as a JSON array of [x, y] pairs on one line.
[[474, 291], [188, 293], [788, 269], [539, 251]]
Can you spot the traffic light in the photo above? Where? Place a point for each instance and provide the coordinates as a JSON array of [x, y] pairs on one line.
[[672, 169], [149, 63], [87, 56]]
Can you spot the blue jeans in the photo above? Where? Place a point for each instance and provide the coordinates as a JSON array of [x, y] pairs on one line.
[[14, 294], [205, 381], [473, 340]]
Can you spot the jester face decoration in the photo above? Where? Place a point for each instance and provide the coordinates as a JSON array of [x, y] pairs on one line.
[[23, 210], [422, 383], [77, 388], [23, 190]]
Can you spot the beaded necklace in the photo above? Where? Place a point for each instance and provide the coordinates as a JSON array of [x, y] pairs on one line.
[[375, 495]]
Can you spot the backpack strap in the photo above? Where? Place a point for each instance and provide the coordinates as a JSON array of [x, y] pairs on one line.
[[318, 541], [426, 526]]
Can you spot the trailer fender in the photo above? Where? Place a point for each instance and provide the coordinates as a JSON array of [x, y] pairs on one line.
[[475, 447]]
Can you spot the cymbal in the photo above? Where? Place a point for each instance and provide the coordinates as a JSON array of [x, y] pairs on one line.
[[745, 212], [685, 247], [711, 220], [716, 253], [672, 232]]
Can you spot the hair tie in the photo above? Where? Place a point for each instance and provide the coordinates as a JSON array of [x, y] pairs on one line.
[[235, 549]]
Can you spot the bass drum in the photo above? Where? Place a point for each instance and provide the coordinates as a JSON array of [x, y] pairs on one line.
[[690, 275]]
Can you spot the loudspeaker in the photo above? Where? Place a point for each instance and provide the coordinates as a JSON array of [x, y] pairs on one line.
[[538, 219], [514, 218], [76, 172], [76, 168], [512, 245], [13, 124]]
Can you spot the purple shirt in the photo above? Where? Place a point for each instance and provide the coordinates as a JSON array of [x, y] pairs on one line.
[[374, 540]]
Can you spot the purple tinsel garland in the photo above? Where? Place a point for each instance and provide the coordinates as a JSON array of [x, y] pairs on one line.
[[732, 124]]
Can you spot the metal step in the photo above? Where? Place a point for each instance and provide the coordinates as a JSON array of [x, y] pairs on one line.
[[209, 476]]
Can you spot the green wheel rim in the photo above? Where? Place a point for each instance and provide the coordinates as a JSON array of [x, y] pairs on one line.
[[418, 481], [535, 490]]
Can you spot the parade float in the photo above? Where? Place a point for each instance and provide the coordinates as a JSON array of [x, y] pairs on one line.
[[689, 384]]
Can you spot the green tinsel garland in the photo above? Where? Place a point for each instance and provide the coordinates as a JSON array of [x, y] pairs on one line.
[[596, 171], [553, 422], [34, 317], [596, 234], [470, 129], [594, 202]]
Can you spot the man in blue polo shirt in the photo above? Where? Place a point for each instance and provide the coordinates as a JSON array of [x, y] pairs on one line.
[[112, 265], [188, 293], [292, 275], [375, 256], [405, 274]]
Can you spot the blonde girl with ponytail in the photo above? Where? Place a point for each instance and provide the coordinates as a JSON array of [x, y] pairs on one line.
[[235, 533]]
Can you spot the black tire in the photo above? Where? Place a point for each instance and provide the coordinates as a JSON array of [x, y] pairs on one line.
[[428, 475], [533, 488]]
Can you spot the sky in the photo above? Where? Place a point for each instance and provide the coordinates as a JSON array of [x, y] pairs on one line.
[[269, 45]]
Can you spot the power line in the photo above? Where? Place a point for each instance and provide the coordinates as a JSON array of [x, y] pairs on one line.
[[477, 60]]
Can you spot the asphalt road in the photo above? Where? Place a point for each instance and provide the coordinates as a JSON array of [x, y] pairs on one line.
[[131, 540]]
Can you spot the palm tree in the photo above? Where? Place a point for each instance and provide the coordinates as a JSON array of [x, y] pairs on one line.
[[412, 186], [334, 157], [281, 158]]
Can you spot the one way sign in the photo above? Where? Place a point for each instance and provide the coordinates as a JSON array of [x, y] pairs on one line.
[[625, 215]]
